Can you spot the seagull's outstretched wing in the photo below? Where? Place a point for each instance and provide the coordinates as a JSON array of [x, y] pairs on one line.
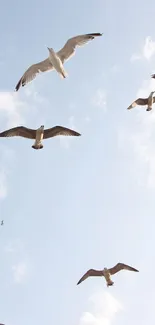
[[59, 130], [32, 71], [120, 266], [69, 49], [139, 101], [20, 131], [91, 272]]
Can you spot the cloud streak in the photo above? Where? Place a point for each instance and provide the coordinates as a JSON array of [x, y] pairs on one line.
[[7, 158], [100, 99], [20, 272], [147, 51], [11, 109]]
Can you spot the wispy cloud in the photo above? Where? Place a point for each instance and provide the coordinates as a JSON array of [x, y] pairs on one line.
[[104, 307], [11, 109], [100, 99], [3, 184], [147, 51], [7, 157], [115, 68], [14, 246], [149, 48], [135, 57], [20, 272]]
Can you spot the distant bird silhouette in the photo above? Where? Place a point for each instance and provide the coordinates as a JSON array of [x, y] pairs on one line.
[[38, 134], [2, 223], [107, 273], [144, 101]]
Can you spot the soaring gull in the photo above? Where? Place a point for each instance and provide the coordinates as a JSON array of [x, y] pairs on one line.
[[144, 101], [38, 134], [56, 59], [107, 273]]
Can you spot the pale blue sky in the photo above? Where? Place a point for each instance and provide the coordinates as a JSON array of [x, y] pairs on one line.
[[86, 202]]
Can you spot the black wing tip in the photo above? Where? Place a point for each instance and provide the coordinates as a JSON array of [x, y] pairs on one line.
[[19, 84], [153, 76], [95, 34], [78, 282], [78, 134]]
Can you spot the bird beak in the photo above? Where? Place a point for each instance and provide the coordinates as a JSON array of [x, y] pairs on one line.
[[48, 48]]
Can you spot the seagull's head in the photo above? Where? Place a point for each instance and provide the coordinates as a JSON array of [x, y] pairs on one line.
[[50, 50], [105, 269], [42, 127]]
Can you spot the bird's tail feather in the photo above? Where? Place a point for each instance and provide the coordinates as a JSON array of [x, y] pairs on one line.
[[37, 146], [63, 73], [110, 283]]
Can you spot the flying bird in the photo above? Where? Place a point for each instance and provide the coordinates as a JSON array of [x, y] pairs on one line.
[[144, 101], [2, 223], [56, 59], [38, 134], [107, 273]]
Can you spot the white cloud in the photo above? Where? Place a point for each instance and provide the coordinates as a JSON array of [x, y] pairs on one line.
[[149, 48], [135, 57], [11, 109], [3, 184], [15, 246], [147, 52], [115, 68], [20, 272], [100, 99], [103, 310], [7, 157]]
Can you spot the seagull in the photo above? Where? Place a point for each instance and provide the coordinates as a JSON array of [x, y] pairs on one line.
[[38, 134], [56, 59], [2, 223], [144, 101], [107, 273]]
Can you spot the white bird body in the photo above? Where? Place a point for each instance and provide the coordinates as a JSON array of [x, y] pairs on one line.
[[56, 62], [39, 137], [106, 274], [150, 101]]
